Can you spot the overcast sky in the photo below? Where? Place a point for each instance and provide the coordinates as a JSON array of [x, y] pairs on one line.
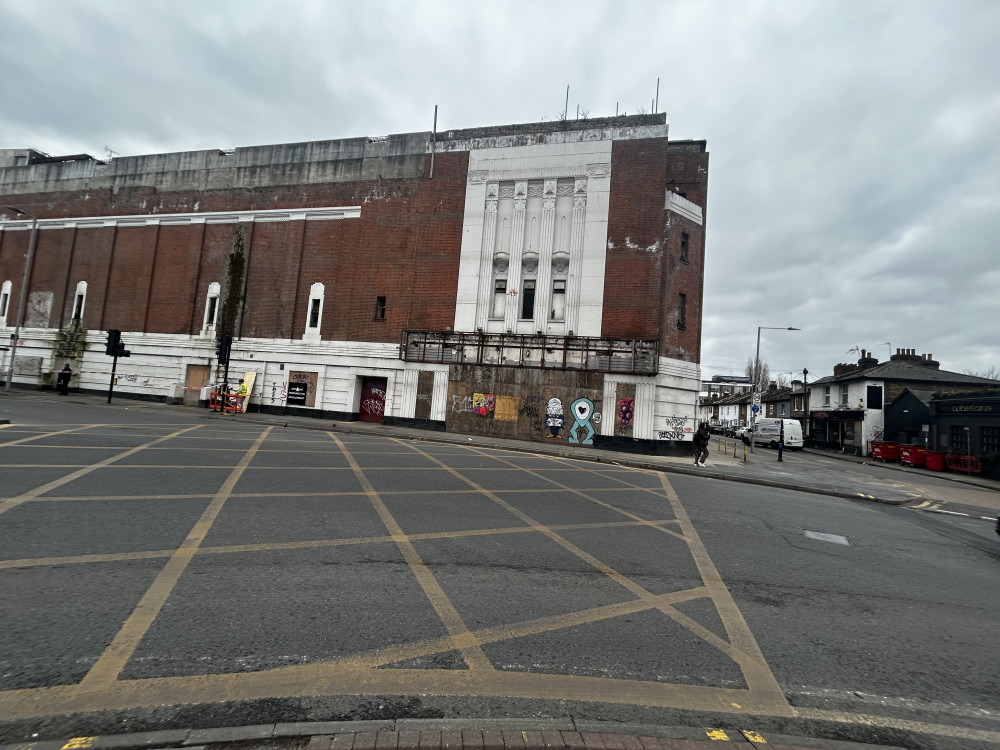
[[854, 182]]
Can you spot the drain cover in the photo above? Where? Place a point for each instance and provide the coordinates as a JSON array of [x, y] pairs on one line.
[[835, 538]]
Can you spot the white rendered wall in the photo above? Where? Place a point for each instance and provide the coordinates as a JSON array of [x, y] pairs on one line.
[[588, 164]]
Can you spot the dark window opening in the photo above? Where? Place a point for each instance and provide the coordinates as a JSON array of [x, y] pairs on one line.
[[380, 308], [528, 300], [959, 438], [684, 246], [3, 304], [314, 313], [78, 307], [212, 303], [681, 310], [874, 397]]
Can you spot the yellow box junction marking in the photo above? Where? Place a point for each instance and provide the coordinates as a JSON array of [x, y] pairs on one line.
[[77, 743], [716, 734]]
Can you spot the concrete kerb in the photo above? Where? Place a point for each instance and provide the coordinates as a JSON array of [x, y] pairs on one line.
[[321, 734]]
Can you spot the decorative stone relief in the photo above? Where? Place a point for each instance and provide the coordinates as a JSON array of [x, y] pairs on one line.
[[548, 204], [529, 263], [478, 177], [492, 190], [580, 201], [550, 187], [598, 170], [580, 186], [520, 204], [560, 264], [500, 262], [491, 206]]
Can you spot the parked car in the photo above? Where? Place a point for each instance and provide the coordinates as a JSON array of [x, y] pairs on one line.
[[717, 429], [735, 431]]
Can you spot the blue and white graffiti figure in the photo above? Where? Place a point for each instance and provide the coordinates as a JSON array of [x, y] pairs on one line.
[[554, 418], [582, 410]]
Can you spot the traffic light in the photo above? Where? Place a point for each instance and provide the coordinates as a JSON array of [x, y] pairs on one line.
[[121, 351], [114, 343], [223, 349]]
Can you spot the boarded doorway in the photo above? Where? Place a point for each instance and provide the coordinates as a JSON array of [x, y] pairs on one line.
[[197, 378], [372, 407]]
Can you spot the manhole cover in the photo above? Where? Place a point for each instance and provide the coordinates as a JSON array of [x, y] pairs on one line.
[[835, 538]]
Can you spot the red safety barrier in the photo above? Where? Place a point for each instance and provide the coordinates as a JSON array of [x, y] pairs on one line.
[[967, 464], [232, 404]]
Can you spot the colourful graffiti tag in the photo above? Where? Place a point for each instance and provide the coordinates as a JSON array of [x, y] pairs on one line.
[[483, 403], [626, 411], [582, 410], [554, 418]]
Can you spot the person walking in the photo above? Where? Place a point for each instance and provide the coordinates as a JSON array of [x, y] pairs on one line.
[[701, 438], [62, 380]]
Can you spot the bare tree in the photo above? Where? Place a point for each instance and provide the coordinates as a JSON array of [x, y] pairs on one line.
[[991, 373], [759, 375]]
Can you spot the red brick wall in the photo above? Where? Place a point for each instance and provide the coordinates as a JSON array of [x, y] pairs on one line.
[[644, 275], [405, 247], [633, 267], [687, 172]]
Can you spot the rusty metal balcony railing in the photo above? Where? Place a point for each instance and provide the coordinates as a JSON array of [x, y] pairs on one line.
[[635, 356]]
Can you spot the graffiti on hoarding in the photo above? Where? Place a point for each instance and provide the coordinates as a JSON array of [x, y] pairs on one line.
[[582, 410], [677, 423], [554, 418], [461, 404], [372, 406], [670, 434], [626, 411]]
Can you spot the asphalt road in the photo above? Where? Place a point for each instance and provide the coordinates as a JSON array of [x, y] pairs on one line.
[[161, 566]]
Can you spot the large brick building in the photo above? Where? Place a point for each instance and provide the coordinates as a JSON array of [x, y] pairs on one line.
[[471, 280]]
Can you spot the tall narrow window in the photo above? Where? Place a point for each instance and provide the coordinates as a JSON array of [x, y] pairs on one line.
[[4, 302], [499, 298], [314, 314], [684, 247], [682, 301], [843, 394], [528, 300], [380, 308], [211, 309], [558, 300], [79, 301]]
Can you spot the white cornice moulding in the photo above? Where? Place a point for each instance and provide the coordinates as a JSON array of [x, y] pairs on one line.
[[215, 217], [683, 207]]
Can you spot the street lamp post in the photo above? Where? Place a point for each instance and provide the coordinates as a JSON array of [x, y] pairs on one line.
[[24, 291], [756, 379]]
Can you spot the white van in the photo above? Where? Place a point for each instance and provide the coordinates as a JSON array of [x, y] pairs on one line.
[[768, 433]]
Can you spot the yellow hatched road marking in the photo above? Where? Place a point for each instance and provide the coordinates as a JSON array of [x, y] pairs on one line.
[[716, 734], [106, 669], [752, 736], [78, 743]]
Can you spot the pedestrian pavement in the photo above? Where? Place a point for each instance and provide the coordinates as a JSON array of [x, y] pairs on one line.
[[451, 734]]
